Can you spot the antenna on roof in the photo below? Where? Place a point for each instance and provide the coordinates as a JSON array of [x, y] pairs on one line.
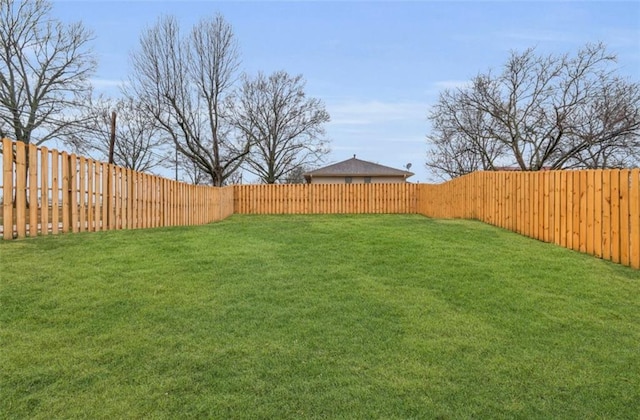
[[408, 166]]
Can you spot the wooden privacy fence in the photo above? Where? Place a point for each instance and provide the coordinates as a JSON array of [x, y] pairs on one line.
[[50, 192], [592, 211], [325, 198]]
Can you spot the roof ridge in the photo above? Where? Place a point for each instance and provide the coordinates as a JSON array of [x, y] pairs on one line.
[[358, 167]]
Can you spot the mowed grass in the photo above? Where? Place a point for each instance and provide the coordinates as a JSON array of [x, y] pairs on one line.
[[377, 316]]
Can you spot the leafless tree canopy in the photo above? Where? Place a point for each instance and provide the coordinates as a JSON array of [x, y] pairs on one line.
[[45, 67], [283, 125], [296, 176], [138, 145], [188, 172], [540, 112], [182, 82]]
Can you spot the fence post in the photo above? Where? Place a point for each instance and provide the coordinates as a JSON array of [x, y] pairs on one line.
[[21, 193], [634, 210], [44, 191], [32, 163], [7, 189], [73, 191]]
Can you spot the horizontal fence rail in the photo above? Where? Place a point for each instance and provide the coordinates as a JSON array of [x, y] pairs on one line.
[[592, 211], [50, 192], [325, 198]]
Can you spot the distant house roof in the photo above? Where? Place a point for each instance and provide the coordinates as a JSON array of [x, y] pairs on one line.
[[357, 167]]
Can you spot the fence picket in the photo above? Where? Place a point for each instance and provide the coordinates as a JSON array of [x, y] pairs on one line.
[[590, 214], [55, 192], [90, 204], [7, 188], [634, 218], [81, 193], [21, 192], [73, 191], [594, 211], [96, 196], [597, 212], [615, 216], [576, 211], [44, 190], [32, 192], [558, 210], [582, 234], [624, 217]]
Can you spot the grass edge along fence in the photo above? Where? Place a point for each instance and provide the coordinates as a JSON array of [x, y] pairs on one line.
[[596, 212], [75, 194], [591, 211]]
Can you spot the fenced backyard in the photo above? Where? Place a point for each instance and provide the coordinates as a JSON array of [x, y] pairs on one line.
[[316, 301], [592, 211], [325, 316]]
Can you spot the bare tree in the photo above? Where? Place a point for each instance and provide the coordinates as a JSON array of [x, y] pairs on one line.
[[182, 82], [45, 67], [607, 128], [138, 145], [283, 125], [540, 112], [460, 140], [296, 176], [188, 171]]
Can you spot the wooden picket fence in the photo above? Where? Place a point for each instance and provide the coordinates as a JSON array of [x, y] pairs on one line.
[[325, 198], [49, 192], [592, 211]]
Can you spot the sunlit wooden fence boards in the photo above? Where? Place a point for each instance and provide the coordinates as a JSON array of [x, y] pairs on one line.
[[326, 198], [49, 192], [592, 211]]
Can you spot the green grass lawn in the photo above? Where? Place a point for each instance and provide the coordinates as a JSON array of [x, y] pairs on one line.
[[380, 316]]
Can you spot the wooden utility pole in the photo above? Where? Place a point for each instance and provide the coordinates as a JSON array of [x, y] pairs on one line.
[[112, 142], [112, 136]]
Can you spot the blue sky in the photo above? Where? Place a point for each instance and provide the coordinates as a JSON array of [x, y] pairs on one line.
[[377, 65]]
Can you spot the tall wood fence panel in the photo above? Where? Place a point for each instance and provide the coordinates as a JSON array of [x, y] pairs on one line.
[[325, 198], [49, 192], [592, 211]]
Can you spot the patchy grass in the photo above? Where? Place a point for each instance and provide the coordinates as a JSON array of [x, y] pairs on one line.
[[315, 316]]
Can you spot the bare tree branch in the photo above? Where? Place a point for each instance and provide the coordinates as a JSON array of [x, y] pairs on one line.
[[45, 67], [182, 82], [283, 125], [139, 143], [539, 112]]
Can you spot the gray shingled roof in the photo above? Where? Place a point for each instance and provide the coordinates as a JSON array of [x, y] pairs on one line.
[[357, 167]]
